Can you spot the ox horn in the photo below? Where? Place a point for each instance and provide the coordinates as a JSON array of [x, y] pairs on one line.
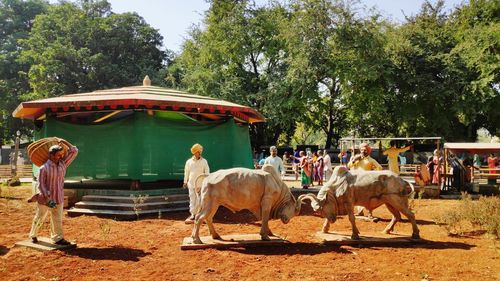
[[309, 196]]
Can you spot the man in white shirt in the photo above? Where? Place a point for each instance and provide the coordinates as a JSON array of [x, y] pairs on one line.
[[195, 166], [275, 161], [327, 166]]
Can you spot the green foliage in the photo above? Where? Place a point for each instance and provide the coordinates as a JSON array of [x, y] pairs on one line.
[[476, 29], [16, 21], [75, 49], [337, 66], [50, 50], [330, 66], [470, 216], [239, 57], [307, 135], [436, 90]]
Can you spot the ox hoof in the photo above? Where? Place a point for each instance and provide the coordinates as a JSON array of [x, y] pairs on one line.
[[387, 231], [265, 238], [216, 237], [197, 241], [415, 236], [355, 237]]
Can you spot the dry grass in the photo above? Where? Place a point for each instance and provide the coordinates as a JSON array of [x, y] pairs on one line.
[[473, 217]]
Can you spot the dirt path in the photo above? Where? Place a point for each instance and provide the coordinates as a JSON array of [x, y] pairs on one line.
[[148, 249]]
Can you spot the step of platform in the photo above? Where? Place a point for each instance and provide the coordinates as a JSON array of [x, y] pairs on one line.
[[112, 205], [129, 207], [123, 215], [132, 199]]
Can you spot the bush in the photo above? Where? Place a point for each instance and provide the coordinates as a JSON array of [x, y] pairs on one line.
[[14, 181], [471, 216]]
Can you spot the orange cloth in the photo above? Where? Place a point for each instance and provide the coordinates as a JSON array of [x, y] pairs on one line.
[[367, 164], [392, 155]]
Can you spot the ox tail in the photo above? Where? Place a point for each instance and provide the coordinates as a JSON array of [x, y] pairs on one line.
[[198, 183]]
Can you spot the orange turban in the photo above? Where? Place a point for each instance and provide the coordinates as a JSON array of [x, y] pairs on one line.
[[368, 148], [196, 148]]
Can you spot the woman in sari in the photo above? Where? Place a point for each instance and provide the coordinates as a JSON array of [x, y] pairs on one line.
[[305, 171]]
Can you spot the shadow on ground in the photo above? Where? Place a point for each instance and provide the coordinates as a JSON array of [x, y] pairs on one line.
[[420, 244], [419, 222], [310, 249], [301, 248], [3, 250], [113, 253]]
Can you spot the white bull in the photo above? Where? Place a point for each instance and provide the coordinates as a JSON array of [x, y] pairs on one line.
[[260, 191], [369, 189]]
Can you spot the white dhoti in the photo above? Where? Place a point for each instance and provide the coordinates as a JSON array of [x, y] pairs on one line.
[[193, 169], [193, 200]]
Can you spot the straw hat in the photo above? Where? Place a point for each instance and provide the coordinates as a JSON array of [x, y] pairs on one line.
[[38, 151]]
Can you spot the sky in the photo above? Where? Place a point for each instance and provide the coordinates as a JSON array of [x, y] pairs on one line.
[[174, 18]]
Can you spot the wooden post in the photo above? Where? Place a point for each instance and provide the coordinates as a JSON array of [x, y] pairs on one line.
[[379, 151], [445, 172], [16, 154]]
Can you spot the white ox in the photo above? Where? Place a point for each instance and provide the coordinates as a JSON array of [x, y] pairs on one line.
[[369, 189], [260, 191]]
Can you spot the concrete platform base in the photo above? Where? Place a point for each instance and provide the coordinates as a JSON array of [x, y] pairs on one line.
[[345, 239], [230, 241], [44, 244]]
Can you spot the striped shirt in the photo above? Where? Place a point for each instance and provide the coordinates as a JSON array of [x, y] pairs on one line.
[[51, 178]]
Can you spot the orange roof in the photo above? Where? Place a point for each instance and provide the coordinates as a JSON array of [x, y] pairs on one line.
[[136, 97], [472, 147]]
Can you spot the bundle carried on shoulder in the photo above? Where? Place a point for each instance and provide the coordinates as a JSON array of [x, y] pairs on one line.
[[38, 151]]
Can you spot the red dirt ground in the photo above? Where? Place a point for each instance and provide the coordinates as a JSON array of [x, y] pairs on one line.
[[149, 249]]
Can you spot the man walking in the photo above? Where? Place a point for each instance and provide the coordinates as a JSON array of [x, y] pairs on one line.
[[194, 167], [51, 197]]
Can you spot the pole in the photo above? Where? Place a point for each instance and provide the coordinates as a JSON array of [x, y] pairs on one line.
[[16, 153]]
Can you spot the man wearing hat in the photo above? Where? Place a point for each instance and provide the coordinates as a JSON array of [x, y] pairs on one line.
[[51, 197], [364, 161], [195, 166]]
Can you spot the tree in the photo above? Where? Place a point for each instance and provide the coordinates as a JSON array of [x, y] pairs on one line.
[[336, 66], [16, 20], [437, 91], [82, 48], [239, 57], [476, 29]]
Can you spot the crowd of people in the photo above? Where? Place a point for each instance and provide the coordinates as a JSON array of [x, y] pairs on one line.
[[315, 167], [311, 167]]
